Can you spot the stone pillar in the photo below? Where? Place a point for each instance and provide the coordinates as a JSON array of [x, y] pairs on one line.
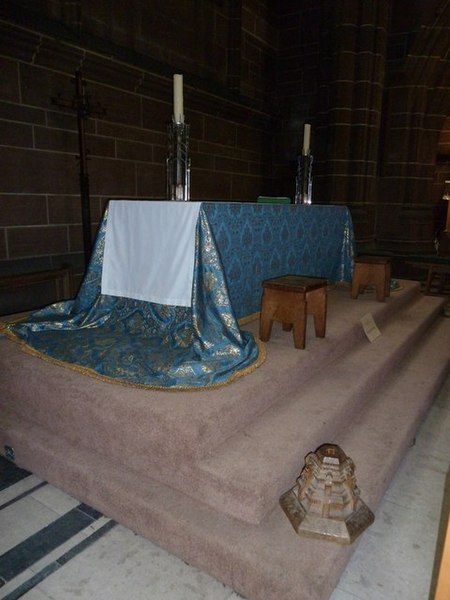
[[349, 111], [417, 101]]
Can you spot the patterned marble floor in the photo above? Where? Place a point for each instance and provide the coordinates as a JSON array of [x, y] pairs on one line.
[[53, 547]]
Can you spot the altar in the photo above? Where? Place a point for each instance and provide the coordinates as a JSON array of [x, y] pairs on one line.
[[179, 326]]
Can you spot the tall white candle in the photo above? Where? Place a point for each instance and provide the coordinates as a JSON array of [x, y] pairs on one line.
[[306, 138], [178, 115]]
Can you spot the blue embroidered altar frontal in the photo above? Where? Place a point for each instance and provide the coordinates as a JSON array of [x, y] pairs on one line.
[[237, 246], [144, 343], [261, 241]]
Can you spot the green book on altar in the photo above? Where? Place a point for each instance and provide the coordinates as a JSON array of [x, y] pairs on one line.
[[273, 200]]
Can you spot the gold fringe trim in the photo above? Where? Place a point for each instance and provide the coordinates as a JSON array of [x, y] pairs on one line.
[[13, 321], [91, 373], [249, 318]]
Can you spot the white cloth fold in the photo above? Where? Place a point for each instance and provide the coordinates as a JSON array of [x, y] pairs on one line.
[[150, 251]]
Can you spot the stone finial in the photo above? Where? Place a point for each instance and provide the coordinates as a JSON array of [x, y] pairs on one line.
[[326, 502]]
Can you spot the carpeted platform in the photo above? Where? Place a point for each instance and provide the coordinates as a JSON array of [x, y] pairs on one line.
[[200, 473]]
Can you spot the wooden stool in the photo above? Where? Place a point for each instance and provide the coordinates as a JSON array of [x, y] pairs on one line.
[[289, 299], [439, 271], [372, 270]]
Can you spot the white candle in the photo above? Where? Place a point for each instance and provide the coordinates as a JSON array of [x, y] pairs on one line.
[[178, 115], [306, 138]]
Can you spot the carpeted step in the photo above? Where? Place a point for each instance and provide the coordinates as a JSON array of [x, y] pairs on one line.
[[140, 429], [247, 474], [262, 562], [388, 424], [196, 421]]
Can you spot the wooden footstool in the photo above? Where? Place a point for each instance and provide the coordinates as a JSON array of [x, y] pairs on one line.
[[439, 271], [289, 299], [372, 270]]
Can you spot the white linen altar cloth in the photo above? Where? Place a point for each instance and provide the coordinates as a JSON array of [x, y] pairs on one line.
[[150, 251]]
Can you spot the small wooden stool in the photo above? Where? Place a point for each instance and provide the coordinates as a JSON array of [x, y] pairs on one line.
[[372, 270], [289, 299], [439, 271]]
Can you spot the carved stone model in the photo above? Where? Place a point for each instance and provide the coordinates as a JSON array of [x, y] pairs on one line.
[[325, 502]]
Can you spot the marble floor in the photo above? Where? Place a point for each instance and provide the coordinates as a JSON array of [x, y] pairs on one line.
[[53, 547]]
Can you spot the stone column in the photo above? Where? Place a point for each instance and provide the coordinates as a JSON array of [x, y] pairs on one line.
[[349, 112], [417, 101]]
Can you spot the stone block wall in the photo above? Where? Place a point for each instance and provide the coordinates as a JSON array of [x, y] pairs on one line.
[[442, 172], [332, 59], [417, 100], [372, 78], [129, 88]]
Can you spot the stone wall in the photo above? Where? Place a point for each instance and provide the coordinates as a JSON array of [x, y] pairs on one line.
[[127, 65], [417, 93], [372, 78]]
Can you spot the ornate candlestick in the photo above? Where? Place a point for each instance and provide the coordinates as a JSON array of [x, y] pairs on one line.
[[303, 179], [446, 196], [178, 162]]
